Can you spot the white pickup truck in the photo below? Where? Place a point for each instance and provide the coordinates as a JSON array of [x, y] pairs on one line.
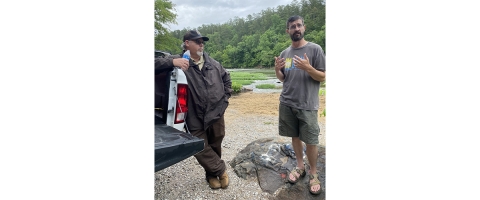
[[173, 143]]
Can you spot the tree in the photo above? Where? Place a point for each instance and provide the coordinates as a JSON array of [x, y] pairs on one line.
[[253, 41], [267, 42], [317, 36], [164, 15]]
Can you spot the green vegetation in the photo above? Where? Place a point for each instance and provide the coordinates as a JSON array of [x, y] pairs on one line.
[[266, 86], [243, 82], [236, 75], [246, 78], [321, 92], [240, 78], [249, 42], [322, 89], [268, 72], [164, 15], [237, 88]]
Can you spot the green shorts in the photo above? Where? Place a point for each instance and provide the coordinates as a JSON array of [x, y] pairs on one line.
[[294, 122]]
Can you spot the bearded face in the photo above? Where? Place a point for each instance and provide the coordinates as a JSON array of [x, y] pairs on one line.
[[297, 35], [296, 30]]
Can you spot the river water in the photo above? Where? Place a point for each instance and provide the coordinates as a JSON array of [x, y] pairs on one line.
[[275, 81], [270, 73]]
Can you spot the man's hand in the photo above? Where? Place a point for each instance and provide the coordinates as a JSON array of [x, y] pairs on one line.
[[303, 64], [279, 63], [182, 63]]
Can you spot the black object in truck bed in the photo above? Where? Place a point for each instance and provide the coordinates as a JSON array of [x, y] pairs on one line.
[[173, 146]]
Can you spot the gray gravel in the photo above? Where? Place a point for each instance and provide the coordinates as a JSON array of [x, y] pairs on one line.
[[186, 179]]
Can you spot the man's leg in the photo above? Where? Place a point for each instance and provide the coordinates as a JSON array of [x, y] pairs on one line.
[[288, 127], [209, 159], [312, 154], [216, 133], [309, 132], [298, 149]]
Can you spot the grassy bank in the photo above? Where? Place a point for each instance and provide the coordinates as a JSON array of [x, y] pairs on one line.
[[240, 78]]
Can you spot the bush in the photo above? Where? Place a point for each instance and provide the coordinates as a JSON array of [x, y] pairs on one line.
[[237, 88]]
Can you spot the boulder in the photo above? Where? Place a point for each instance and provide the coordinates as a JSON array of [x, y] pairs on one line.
[[269, 160]]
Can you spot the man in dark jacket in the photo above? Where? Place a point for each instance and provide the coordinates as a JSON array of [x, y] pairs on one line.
[[210, 88]]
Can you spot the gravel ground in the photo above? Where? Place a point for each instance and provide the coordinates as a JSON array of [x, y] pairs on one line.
[[186, 179]]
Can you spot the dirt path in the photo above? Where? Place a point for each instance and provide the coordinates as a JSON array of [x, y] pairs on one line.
[[262, 104]]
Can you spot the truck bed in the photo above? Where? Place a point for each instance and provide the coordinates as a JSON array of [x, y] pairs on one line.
[[172, 146]]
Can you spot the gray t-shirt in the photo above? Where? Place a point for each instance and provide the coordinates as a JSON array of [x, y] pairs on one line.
[[300, 90]]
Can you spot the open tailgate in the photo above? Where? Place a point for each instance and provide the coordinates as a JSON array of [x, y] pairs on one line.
[[173, 146]]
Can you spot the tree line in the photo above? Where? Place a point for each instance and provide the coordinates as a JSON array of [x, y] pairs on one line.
[[247, 42]]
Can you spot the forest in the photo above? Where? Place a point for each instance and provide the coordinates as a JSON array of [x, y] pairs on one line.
[[250, 42]]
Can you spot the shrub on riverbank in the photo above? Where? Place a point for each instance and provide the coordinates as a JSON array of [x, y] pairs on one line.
[[237, 88]]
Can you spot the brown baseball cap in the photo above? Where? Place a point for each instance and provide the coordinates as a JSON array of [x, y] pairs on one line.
[[194, 34]]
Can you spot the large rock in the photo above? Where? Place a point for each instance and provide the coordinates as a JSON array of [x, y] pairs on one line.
[[269, 160]]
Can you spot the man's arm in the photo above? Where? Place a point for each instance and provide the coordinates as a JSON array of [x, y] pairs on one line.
[[162, 64], [316, 75], [279, 64], [304, 64], [227, 82]]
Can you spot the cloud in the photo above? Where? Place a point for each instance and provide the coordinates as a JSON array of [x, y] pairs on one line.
[[193, 14]]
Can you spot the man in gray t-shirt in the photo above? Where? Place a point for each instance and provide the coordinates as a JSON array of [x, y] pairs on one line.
[[301, 68]]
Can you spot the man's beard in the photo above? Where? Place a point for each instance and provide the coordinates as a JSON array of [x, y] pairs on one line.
[[296, 38], [200, 53]]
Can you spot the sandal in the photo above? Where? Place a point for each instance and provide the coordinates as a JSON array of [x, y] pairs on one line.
[[315, 182], [299, 171]]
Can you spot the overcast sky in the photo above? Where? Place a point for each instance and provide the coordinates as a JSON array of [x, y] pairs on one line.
[[194, 13]]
